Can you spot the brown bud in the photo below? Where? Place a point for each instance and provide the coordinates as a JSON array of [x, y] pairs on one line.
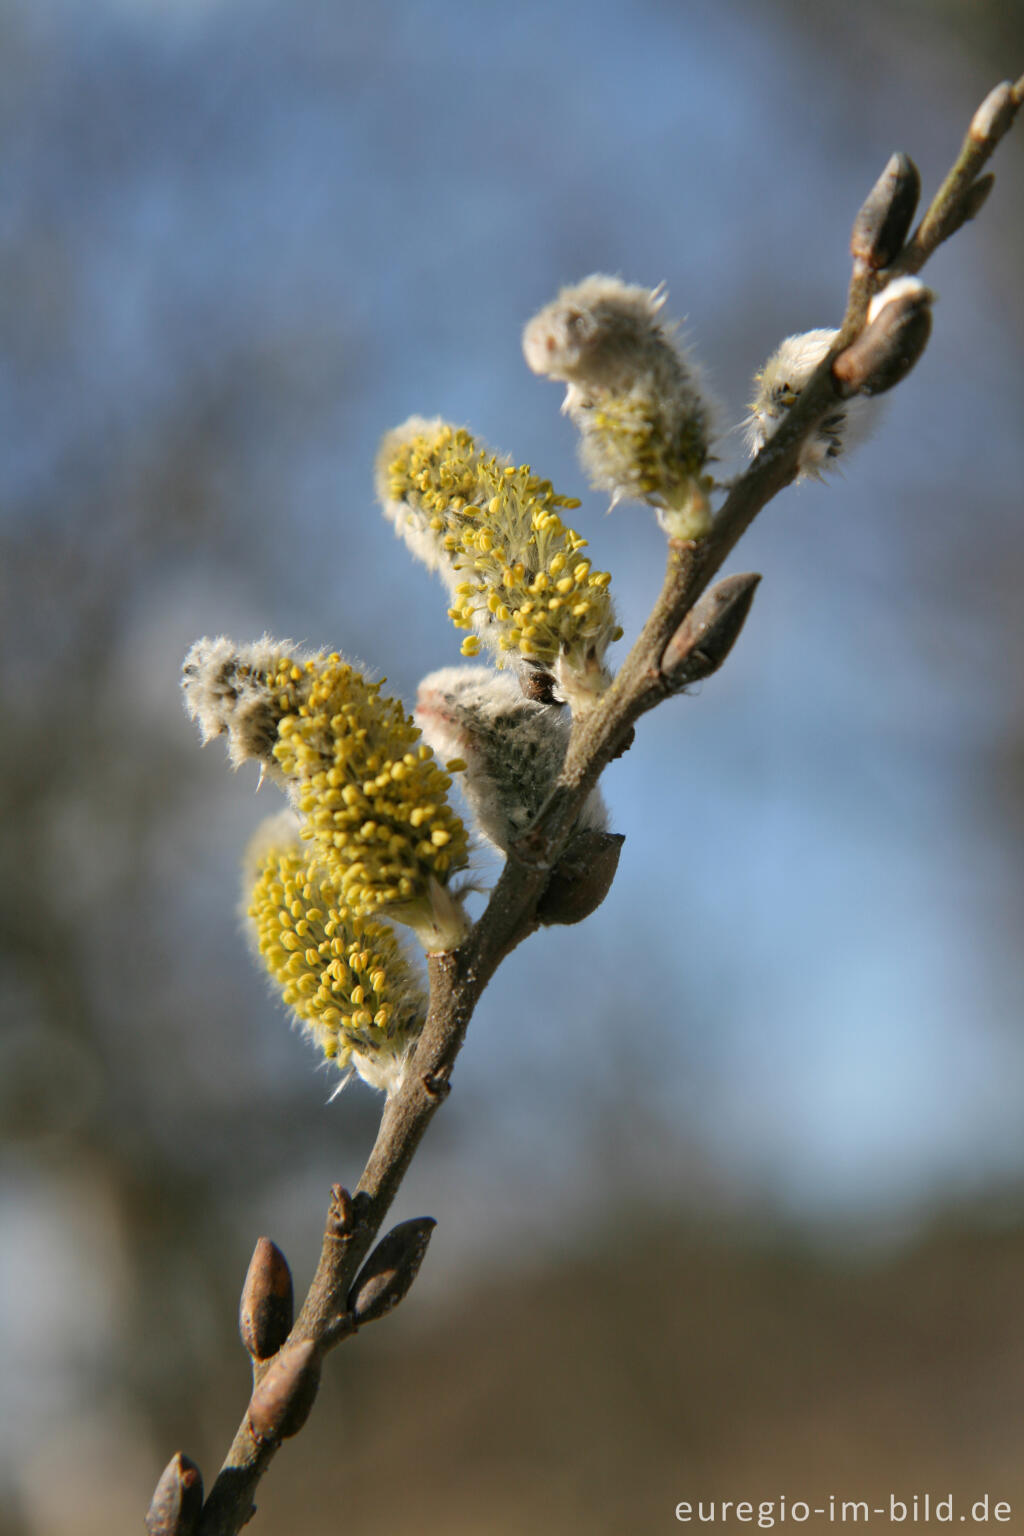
[[883, 222], [390, 1270], [280, 1404], [709, 631], [582, 878], [971, 204], [178, 1501], [995, 114], [891, 343], [539, 685], [266, 1311]]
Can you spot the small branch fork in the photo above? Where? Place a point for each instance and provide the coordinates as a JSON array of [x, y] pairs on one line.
[[687, 637]]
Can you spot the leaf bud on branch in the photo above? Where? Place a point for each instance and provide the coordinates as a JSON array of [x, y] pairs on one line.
[[995, 114], [883, 222], [710, 630], [582, 878], [390, 1270], [177, 1500], [266, 1311], [971, 204], [280, 1405], [897, 332]]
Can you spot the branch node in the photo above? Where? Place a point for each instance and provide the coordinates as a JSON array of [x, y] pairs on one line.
[[339, 1212], [625, 744], [437, 1084], [341, 1327]]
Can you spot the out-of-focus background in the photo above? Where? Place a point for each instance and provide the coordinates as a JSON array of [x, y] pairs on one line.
[[730, 1187]]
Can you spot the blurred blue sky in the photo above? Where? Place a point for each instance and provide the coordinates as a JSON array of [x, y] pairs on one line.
[[292, 226]]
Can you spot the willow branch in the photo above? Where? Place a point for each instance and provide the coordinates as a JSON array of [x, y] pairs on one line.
[[686, 635]]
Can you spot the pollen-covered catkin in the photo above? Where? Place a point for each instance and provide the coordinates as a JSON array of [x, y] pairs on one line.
[[345, 978], [779, 384], [513, 747], [371, 794], [635, 395], [516, 573]]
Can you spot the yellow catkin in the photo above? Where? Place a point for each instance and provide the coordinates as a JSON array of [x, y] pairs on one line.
[[513, 548], [345, 978], [363, 780]]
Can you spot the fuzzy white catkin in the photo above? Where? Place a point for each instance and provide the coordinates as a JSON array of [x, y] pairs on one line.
[[634, 393], [779, 384], [513, 747], [600, 334]]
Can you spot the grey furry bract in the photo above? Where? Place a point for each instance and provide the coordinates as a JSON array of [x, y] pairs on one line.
[[513, 747]]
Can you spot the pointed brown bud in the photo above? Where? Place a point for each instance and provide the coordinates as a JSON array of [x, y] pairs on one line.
[[709, 631], [178, 1500], [899, 324], [995, 114], [971, 204], [882, 224], [266, 1312], [582, 878], [390, 1270], [280, 1404]]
